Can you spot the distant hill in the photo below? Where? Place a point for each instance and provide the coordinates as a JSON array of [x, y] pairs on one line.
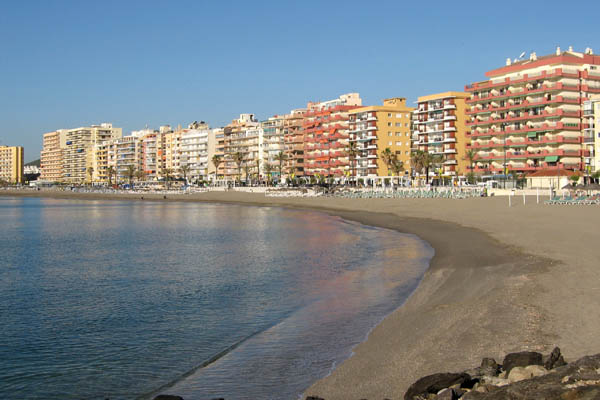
[[35, 163]]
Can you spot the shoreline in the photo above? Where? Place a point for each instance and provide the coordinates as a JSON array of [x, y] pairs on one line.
[[491, 287]]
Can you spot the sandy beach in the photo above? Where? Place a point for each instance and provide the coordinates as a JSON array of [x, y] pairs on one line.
[[502, 279]]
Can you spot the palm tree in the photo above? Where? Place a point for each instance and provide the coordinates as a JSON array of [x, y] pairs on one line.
[[90, 172], [110, 171], [352, 153], [140, 175], [258, 169], [246, 170], [238, 158], [428, 161], [216, 160], [280, 158], [167, 172], [268, 170], [130, 174], [470, 155], [396, 166], [185, 169], [387, 157], [416, 160]]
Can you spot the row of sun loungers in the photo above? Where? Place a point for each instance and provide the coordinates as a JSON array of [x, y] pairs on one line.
[[580, 200], [399, 194]]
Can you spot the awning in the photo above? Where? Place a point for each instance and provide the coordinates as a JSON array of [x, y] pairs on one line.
[[532, 134], [551, 159]]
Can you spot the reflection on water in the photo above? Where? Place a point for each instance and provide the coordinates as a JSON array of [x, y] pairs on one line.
[[126, 300]]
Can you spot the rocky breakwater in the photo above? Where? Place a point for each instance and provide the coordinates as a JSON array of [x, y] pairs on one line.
[[524, 375]]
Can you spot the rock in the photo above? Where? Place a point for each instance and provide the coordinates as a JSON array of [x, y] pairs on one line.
[[579, 380], [554, 359], [495, 381], [536, 370], [432, 384], [167, 397], [521, 359], [489, 367], [314, 398], [446, 394], [518, 374]]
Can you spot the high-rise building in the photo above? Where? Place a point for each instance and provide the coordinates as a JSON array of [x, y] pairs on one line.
[[440, 129], [374, 129], [591, 137], [293, 137], [241, 139], [271, 145], [51, 157], [326, 136], [11, 164], [528, 115], [194, 151], [78, 153]]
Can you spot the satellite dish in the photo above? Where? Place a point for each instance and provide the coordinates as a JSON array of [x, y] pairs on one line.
[[522, 54]]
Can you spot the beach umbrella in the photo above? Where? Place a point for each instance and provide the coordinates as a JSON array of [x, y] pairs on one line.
[[569, 186]]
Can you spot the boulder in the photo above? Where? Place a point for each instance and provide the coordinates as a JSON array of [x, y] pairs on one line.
[[432, 384], [446, 394], [489, 367], [554, 359], [521, 359]]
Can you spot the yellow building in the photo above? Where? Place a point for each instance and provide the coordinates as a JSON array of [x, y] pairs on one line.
[[51, 157], [440, 129], [11, 164], [377, 128]]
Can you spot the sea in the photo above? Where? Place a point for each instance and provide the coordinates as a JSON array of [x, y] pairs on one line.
[[131, 299]]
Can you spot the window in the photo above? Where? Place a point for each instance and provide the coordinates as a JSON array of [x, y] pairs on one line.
[[398, 124], [407, 134], [389, 133], [406, 125], [390, 115], [389, 143], [389, 124], [407, 115], [398, 133], [398, 115], [398, 143], [406, 152]]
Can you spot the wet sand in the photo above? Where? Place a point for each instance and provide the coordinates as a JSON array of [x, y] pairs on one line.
[[502, 279]]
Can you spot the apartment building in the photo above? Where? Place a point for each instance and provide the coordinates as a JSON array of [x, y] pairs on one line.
[[51, 156], [326, 136], [216, 146], [528, 115], [271, 145], [374, 129], [124, 155], [440, 129], [241, 136], [293, 138], [79, 150], [591, 136], [194, 151], [173, 151], [11, 164]]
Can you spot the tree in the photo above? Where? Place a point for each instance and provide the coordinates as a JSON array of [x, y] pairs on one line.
[[110, 171], [238, 158], [596, 176], [130, 174], [429, 161], [470, 155], [258, 160], [167, 173], [216, 160], [575, 179], [268, 171], [90, 172], [396, 166], [280, 158], [416, 160], [185, 170], [352, 153], [387, 157], [140, 175]]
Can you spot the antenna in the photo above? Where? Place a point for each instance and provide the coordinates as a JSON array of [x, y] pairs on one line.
[[521, 55]]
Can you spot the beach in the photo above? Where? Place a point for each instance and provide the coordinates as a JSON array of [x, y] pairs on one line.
[[502, 279]]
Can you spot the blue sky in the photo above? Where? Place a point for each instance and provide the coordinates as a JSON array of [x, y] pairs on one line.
[[135, 63]]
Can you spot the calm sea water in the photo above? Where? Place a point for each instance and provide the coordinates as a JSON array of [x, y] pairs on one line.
[[126, 300]]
